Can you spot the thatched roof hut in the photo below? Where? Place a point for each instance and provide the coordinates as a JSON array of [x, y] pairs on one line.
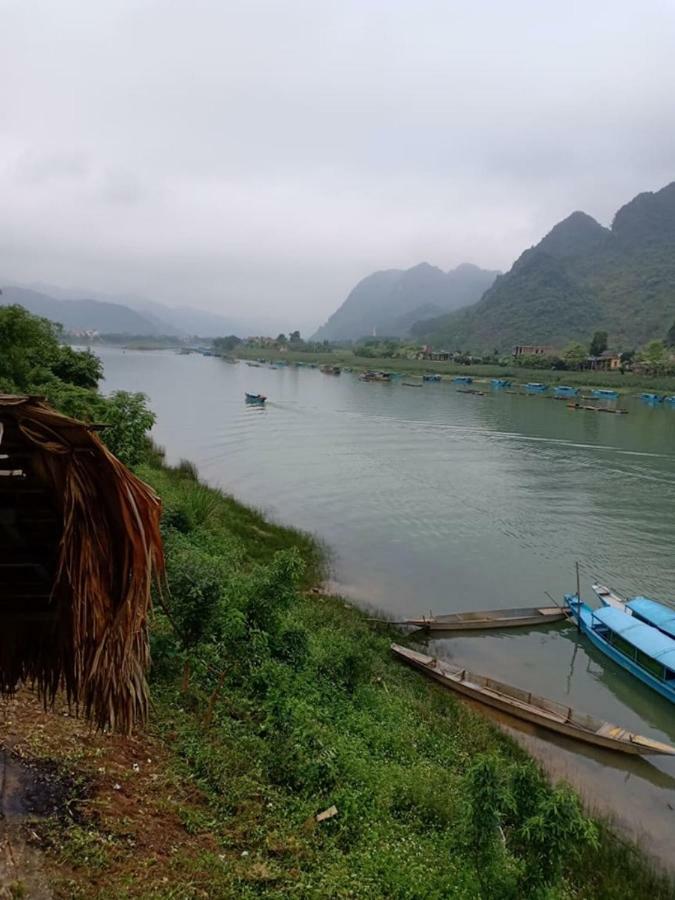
[[79, 548]]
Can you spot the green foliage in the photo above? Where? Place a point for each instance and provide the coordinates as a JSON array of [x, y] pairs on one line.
[[31, 356], [598, 343], [129, 420], [574, 354], [670, 337]]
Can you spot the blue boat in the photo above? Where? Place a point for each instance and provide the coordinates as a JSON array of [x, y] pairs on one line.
[[644, 609], [651, 398], [501, 383], [641, 649], [462, 379], [432, 378], [604, 394], [669, 400], [536, 387], [564, 390], [257, 399]]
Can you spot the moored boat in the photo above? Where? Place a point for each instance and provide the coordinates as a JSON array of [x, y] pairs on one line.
[[651, 398], [536, 387], [500, 383], [331, 370], [490, 618], [564, 390], [462, 379], [431, 378], [642, 650], [531, 707], [644, 609], [604, 394], [258, 399]]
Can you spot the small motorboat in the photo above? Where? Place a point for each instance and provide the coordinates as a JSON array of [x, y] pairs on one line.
[[500, 383], [532, 708], [651, 398], [462, 379], [536, 387], [564, 390], [433, 379], [490, 618], [256, 399]]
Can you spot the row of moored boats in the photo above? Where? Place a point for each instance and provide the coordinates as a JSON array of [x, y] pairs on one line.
[[637, 633]]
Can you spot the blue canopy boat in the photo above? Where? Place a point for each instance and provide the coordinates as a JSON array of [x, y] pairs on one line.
[[501, 383], [536, 387], [641, 649], [462, 379], [258, 399], [564, 390], [669, 400], [644, 609], [651, 398], [604, 394], [433, 378]]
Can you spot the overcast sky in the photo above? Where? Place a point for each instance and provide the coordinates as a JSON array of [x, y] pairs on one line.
[[264, 156]]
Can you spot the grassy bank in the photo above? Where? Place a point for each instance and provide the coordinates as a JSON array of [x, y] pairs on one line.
[[626, 383], [272, 703]]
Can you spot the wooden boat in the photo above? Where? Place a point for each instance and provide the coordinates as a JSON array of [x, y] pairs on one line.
[[532, 708], [490, 618], [500, 383], [462, 379], [258, 399], [473, 391], [431, 378], [536, 387], [410, 384], [598, 409], [640, 649], [331, 370]]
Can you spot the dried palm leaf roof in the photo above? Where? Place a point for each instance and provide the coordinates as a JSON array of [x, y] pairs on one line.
[[80, 546]]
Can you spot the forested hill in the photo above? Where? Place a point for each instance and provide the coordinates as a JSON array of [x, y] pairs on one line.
[[580, 278], [388, 302]]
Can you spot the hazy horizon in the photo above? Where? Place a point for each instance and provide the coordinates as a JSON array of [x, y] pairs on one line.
[[261, 158]]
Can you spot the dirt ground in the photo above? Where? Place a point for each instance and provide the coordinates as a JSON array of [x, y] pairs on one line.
[[79, 809]]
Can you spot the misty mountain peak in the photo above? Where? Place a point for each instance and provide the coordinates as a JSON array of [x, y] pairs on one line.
[[576, 235]]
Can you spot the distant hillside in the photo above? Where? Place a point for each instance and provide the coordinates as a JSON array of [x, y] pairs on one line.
[[81, 315], [180, 321], [579, 278], [388, 302]]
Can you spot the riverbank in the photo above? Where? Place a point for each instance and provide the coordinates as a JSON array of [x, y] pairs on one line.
[[272, 703], [626, 383]]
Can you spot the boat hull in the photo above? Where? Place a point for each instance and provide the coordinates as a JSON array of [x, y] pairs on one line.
[[523, 709], [491, 619]]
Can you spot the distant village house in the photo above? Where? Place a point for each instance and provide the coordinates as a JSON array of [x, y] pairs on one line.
[[532, 350], [609, 361]]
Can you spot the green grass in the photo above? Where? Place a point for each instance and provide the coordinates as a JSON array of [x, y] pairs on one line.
[[627, 383], [312, 711]]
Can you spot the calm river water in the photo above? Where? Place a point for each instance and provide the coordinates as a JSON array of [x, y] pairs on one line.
[[430, 499]]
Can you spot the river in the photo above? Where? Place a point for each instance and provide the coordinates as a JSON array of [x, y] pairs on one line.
[[430, 499]]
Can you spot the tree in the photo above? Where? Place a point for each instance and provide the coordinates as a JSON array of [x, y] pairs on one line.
[[282, 339], [574, 354], [653, 355], [130, 420], [294, 337], [599, 343]]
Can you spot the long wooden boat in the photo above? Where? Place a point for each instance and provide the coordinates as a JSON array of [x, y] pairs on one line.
[[532, 708], [644, 609], [491, 618], [640, 649]]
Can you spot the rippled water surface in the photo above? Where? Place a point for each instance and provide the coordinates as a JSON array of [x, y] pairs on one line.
[[430, 499]]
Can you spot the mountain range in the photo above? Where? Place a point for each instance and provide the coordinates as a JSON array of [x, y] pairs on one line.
[[85, 310], [389, 302], [579, 278]]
